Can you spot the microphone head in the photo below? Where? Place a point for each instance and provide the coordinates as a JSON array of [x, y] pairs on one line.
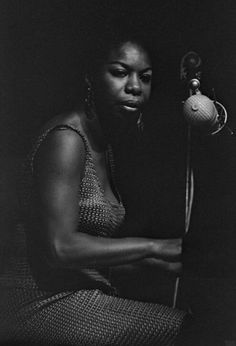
[[200, 111]]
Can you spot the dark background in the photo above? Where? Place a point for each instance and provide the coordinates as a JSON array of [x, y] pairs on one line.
[[40, 75]]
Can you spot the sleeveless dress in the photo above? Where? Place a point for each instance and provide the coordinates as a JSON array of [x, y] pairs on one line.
[[43, 305]]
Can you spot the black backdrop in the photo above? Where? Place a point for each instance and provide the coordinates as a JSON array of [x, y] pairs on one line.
[[41, 43]]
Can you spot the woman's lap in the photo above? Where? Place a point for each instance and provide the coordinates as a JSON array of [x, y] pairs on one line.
[[87, 317]]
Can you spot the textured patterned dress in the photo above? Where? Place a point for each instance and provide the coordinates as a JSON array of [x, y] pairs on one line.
[[43, 305]]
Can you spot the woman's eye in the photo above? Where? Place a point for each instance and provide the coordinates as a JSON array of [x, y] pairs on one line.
[[119, 73], [146, 78]]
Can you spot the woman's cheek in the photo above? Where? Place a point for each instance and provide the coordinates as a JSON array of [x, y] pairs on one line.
[[114, 89]]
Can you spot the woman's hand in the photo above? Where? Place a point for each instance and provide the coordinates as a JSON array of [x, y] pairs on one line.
[[167, 249]]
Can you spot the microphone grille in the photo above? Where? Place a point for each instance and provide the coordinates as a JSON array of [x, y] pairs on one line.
[[200, 111]]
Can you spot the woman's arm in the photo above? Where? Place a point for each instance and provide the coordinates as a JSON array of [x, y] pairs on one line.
[[59, 167]]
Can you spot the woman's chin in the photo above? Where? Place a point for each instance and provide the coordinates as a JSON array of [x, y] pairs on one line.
[[127, 114], [120, 121]]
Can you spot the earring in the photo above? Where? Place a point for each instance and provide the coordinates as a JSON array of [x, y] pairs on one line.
[[89, 103], [87, 99], [140, 124]]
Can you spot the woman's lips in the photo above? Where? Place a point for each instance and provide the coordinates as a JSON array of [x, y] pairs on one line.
[[130, 106]]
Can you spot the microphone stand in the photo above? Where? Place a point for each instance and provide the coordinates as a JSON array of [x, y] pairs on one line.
[[189, 193], [190, 73]]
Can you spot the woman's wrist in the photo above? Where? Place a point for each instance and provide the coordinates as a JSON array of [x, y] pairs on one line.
[[152, 248], [166, 249]]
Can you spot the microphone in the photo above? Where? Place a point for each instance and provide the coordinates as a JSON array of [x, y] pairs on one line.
[[199, 110], [204, 114]]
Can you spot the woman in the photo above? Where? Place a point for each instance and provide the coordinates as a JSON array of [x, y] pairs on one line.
[[59, 291]]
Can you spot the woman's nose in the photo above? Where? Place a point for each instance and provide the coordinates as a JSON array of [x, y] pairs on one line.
[[133, 85]]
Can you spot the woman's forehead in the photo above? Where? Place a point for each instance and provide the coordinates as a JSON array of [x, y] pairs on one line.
[[130, 52]]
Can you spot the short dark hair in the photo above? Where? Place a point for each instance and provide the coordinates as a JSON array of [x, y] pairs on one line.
[[99, 48]]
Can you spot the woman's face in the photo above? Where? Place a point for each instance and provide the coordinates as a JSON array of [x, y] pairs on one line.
[[122, 85]]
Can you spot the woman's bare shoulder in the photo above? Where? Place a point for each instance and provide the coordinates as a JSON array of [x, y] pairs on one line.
[[61, 148], [73, 118]]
